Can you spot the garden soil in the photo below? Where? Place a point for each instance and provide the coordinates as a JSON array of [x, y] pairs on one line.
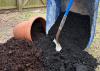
[[40, 55]]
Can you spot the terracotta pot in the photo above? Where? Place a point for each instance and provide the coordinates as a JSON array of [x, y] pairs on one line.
[[24, 30]]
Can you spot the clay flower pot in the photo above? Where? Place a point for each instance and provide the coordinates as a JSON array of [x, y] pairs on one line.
[[26, 29]]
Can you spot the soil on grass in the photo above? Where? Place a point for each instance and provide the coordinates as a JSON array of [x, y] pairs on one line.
[[40, 55]]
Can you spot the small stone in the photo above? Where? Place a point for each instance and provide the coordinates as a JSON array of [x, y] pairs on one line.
[[10, 52], [27, 65]]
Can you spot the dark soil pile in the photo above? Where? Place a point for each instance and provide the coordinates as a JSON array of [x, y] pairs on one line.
[[74, 39], [67, 60], [21, 55]]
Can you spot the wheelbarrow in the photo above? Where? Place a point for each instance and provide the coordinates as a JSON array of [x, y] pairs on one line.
[[84, 7], [55, 7]]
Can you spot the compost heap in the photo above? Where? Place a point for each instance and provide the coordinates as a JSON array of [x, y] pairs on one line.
[[20, 55]]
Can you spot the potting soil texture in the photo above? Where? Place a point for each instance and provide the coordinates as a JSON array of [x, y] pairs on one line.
[[40, 55], [74, 38]]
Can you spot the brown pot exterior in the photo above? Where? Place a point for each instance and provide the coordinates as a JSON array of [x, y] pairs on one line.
[[23, 30]]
